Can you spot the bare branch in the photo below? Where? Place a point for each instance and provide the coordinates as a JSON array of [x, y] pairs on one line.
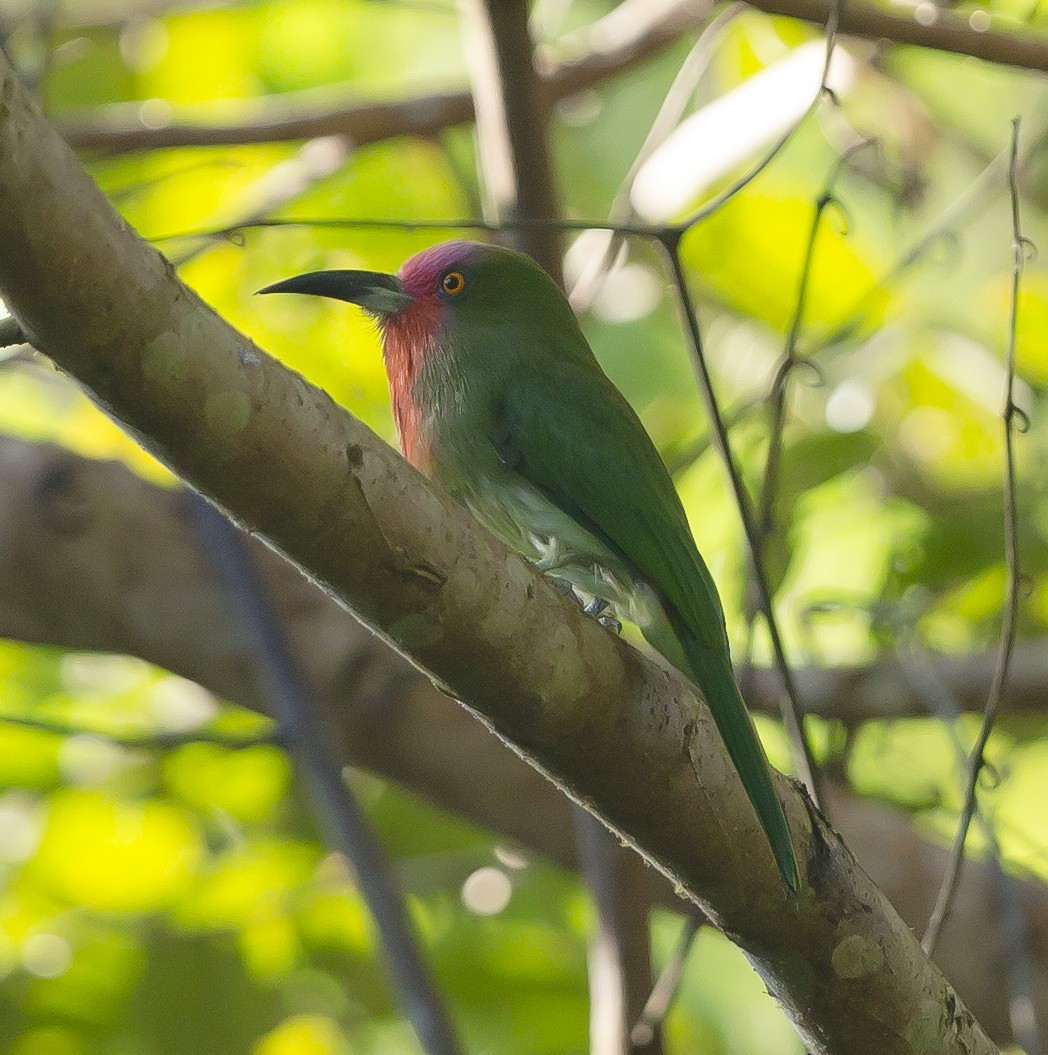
[[962, 210], [1013, 418], [125, 127], [619, 954], [790, 360], [657, 1007], [790, 705], [512, 115], [948, 32]]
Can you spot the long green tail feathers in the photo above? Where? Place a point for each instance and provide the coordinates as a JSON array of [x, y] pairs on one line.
[[713, 674]]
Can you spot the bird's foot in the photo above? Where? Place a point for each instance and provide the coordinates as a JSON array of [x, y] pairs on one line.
[[599, 608], [554, 555], [564, 587]]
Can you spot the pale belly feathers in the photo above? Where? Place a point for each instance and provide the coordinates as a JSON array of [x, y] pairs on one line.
[[523, 517]]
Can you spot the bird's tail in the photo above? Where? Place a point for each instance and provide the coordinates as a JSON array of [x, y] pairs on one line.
[[712, 673]]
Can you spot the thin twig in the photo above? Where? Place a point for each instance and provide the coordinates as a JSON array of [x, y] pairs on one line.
[[468, 223], [765, 517], [717, 202], [789, 702], [156, 739], [1013, 418], [668, 117], [119, 127], [962, 208], [337, 811], [927, 682], [790, 359], [283, 183], [780, 381], [665, 989]]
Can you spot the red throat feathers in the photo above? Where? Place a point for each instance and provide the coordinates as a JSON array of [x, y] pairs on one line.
[[410, 337]]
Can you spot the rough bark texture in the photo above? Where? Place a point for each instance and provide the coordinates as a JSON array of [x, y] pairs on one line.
[[625, 738], [86, 548]]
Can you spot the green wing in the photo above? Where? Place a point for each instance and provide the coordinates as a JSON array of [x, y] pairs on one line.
[[569, 431]]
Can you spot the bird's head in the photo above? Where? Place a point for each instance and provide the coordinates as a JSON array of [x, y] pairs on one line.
[[441, 294]]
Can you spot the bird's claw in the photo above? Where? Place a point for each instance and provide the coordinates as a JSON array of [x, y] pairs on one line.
[[564, 587], [599, 607]]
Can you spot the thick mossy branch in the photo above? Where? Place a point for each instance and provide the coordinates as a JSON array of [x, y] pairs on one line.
[[626, 738]]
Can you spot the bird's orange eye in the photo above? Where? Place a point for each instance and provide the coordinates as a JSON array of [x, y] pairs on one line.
[[453, 283]]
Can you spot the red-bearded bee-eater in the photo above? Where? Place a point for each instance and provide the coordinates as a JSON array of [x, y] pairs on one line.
[[498, 396]]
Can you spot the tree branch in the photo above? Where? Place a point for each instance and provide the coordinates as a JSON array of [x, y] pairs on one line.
[[627, 739], [338, 814], [615, 43], [595, 55], [1013, 418], [78, 545], [512, 117], [102, 13], [948, 32]]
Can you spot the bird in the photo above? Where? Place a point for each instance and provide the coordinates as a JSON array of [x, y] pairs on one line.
[[498, 396]]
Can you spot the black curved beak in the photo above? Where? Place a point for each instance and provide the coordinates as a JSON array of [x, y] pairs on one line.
[[374, 291]]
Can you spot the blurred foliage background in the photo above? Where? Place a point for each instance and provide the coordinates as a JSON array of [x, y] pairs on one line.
[[162, 893]]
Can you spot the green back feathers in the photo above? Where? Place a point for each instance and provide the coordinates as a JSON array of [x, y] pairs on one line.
[[521, 367], [574, 436]]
